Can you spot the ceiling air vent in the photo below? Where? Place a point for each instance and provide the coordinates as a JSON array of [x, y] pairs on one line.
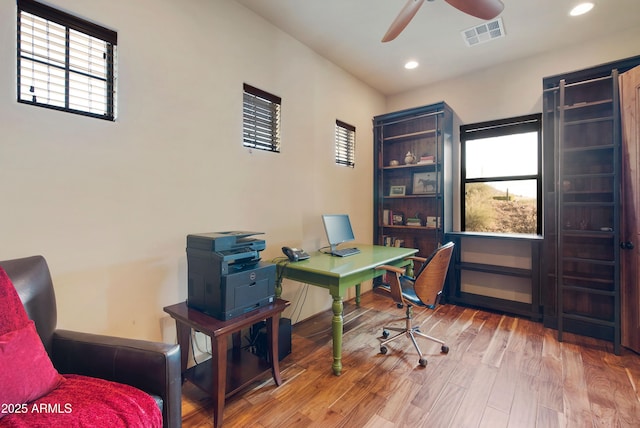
[[486, 32]]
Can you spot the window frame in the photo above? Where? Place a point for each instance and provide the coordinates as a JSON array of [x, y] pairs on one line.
[[87, 28], [264, 133], [498, 128], [345, 144]]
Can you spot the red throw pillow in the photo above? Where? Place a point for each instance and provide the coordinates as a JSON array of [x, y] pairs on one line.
[[12, 313], [26, 372]]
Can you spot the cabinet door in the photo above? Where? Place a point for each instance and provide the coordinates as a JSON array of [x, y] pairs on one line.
[[630, 283]]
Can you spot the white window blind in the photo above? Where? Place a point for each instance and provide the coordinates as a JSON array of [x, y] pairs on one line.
[[64, 62], [261, 119], [345, 144]]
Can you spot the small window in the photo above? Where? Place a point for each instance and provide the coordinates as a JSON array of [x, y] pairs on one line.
[[502, 176], [64, 62], [260, 119], [345, 144]]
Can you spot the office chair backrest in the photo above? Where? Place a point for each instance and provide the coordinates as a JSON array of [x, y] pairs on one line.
[[430, 280]]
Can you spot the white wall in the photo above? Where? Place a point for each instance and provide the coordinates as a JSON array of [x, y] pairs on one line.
[[109, 204], [515, 88]]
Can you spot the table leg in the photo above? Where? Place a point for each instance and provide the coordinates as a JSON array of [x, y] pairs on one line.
[[273, 328], [358, 295], [278, 285], [336, 325], [219, 370]]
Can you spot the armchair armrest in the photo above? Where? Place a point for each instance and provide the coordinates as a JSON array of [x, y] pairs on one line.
[[150, 366]]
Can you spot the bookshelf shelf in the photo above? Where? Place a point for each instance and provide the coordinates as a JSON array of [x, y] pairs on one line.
[[412, 177]]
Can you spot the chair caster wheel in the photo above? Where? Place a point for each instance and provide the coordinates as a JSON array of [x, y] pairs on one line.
[[423, 362], [445, 349], [383, 350], [385, 333]]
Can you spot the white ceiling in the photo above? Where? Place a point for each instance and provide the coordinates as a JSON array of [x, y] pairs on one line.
[[348, 33]]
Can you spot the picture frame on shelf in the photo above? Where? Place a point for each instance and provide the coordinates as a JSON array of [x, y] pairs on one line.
[[397, 190], [397, 218], [424, 183]]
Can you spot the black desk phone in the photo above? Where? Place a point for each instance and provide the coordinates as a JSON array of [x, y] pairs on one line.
[[295, 254]]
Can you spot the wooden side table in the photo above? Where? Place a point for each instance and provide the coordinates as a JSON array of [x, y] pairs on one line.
[[228, 370]]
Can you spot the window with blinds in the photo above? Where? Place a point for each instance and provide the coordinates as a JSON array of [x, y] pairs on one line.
[[64, 62], [260, 119], [345, 144]]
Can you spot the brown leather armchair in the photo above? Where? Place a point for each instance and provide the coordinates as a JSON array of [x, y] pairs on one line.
[[149, 366]]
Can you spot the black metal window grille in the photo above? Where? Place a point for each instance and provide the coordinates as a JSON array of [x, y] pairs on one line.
[[64, 62]]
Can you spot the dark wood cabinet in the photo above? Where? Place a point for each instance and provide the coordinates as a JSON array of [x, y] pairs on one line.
[[496, 271], [412, 177], [582, 173]]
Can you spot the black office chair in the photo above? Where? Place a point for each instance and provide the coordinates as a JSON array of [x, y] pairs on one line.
[[423, 290]]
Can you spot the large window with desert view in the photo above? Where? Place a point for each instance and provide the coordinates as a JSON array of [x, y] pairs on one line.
[[501, 176]]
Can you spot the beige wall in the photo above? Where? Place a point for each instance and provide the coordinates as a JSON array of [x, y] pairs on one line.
[[110, 204]]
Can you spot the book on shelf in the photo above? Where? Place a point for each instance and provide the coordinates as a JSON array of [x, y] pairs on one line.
[[385, 217], [392, 218], [392, 241], [432, 222], [427, 159], [413, 221]]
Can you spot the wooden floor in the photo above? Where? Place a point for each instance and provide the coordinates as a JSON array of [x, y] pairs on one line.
[[501, 371]]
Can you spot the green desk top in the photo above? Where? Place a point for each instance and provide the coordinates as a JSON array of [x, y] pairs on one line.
[[326, 270]]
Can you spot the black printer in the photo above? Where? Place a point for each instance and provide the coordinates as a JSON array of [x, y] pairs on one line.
[[225, 275]]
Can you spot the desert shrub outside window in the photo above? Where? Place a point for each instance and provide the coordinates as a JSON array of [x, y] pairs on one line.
[[502, 176]]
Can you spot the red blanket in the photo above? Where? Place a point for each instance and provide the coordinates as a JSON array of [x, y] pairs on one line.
[[82, 401]]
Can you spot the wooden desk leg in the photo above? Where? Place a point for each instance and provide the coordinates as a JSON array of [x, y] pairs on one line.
[[184, 332], [273, 325], [336, 325], [219, 377], [358, 295]]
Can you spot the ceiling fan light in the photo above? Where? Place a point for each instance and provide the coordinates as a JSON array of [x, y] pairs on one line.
[[410, 65], [581, 9]]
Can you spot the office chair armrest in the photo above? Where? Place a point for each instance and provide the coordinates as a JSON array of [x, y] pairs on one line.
[[418, 264], [394, 282], [389, 268]]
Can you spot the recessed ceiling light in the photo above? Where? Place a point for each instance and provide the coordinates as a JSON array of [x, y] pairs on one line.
[[581, 9], [411, 65]]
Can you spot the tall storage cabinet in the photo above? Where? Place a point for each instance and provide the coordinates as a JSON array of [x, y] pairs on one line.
[[582, 145], [412, 177]]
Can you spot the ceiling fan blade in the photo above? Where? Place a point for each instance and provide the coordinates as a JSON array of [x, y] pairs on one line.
[[404, 17], [483, 9]]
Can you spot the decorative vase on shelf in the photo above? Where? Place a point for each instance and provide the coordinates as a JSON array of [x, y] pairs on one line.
[[409, 158]]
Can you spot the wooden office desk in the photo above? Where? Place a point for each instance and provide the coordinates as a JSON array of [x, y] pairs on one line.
[[216, 376], [338, 274]]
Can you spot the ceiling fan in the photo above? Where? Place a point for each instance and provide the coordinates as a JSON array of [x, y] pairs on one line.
[[483, 9]]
